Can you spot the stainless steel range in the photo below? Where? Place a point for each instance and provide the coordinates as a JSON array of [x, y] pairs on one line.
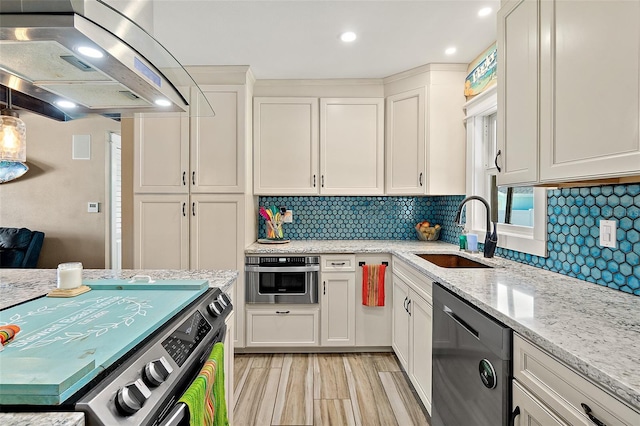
[[122, 353]]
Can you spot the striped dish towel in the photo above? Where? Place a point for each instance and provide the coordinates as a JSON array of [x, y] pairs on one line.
[[373, 285], [205, 397]]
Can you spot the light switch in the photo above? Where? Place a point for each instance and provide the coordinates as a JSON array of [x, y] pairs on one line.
[[608, 233]]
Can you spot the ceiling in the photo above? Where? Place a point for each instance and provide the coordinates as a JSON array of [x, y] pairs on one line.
[[300, 39]]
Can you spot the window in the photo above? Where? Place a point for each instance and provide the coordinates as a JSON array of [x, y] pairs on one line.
[[519, 211]]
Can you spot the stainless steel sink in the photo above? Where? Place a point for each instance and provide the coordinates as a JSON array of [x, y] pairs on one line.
[[451, 261]]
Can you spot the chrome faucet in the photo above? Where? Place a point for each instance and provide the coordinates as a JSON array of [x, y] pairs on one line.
[[490, 239]]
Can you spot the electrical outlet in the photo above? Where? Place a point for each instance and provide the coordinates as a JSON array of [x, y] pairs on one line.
[[608, 233], [288, 216], [93, 207]]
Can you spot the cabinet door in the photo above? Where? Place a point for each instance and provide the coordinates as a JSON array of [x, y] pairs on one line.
[[228, 366], [373, 323], [161, 154], [400, 335], [351, 146], [216, 231], [218, 142], [420, 345], [285, 144], [590, 120], [518, 52], [405, 151], [282, 326], [532, 411], [161, 239], [337, 315]]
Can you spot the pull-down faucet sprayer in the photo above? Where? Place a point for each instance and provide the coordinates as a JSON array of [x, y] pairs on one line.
[[490, 239]]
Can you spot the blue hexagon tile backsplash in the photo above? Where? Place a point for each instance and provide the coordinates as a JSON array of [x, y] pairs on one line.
[[573, 219]]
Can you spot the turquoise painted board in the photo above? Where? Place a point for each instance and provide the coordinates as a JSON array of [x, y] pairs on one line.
[[95, 328], [142, 285]]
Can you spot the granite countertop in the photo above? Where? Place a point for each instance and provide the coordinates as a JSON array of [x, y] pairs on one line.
[[593, 329], [19, 285]]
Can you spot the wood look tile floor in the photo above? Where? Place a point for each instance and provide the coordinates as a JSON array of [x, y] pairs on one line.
[[367, 389]]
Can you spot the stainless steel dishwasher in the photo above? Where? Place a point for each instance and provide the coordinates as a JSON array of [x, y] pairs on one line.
[[471, 364]]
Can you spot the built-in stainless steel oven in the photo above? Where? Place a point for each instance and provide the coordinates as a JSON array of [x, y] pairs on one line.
[[282, 279]]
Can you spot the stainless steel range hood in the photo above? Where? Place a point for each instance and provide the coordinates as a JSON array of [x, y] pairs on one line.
[[40, 55]]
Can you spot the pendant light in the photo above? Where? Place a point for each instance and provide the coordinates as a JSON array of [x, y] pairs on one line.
[[13, 134]]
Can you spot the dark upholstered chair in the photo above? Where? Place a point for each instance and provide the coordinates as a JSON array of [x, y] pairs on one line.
[[20, 248]]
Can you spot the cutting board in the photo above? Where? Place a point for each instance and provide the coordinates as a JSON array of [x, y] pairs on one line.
[[64, 343]]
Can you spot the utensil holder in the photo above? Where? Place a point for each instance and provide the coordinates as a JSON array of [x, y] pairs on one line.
[[274, 230]]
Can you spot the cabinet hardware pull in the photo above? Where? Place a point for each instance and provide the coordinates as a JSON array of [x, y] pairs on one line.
[[193, 208], [193, 178], [184, 212], [314, 181], [594, 419], [420, 179], [338, 263], [322, 180], [514, 414], [495, 161], [282, 312], [324, 287], [409, 307], [184, 178], [404, 304]]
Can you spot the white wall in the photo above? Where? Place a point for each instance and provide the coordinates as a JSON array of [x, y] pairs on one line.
[[52, 196]]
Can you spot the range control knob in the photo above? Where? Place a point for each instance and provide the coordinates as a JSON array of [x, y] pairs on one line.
[[131, 397], [224, 299], [156, 372], [215, 308]]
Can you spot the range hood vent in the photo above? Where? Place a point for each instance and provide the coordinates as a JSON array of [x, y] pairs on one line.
[[42, 56]]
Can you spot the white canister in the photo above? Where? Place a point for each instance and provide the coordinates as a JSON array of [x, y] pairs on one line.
[[472, 243], [69, 275]]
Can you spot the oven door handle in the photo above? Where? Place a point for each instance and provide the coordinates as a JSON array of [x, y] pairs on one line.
[[251, 268], [178, 415]]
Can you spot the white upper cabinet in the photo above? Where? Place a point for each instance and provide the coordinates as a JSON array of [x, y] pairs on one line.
[[161, 154], [568, 91], [517, 155], [351, 146], [405, 156], [285, 146], [425, 146], [218, 142], [590, 101]]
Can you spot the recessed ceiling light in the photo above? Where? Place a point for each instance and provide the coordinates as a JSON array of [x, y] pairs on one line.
[[90, 52], [163, 102], [450, 51], [348, 36], [66, 104], [484, 11]]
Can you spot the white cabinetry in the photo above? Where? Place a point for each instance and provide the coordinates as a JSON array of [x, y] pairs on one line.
[[412, 327], [228, 366], [575, 125], [351, 146], [425, 147], [337, 301], [349, 159], [282, 325], [531, 411], [560, 392], [373, 323], [285, 146]]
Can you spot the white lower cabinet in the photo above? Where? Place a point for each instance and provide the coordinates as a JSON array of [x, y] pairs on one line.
[[337, 313], [412, 327], [561, 392], [228, 366], [373, 323], [282, 325]]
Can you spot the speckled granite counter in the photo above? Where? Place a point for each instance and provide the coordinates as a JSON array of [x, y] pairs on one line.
[[19, 285], [49, 419], [593, 329]]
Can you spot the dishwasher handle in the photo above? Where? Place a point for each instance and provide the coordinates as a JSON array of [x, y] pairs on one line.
[[460, 322]]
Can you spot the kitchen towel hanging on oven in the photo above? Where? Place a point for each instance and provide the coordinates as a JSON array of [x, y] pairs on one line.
[[205, 397], [373, 285]]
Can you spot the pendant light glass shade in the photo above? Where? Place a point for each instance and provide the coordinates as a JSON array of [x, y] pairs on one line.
[[13, 134]]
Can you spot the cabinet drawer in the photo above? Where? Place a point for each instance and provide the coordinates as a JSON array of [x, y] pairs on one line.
[[339, 262], [564, 390], [282, 326]]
